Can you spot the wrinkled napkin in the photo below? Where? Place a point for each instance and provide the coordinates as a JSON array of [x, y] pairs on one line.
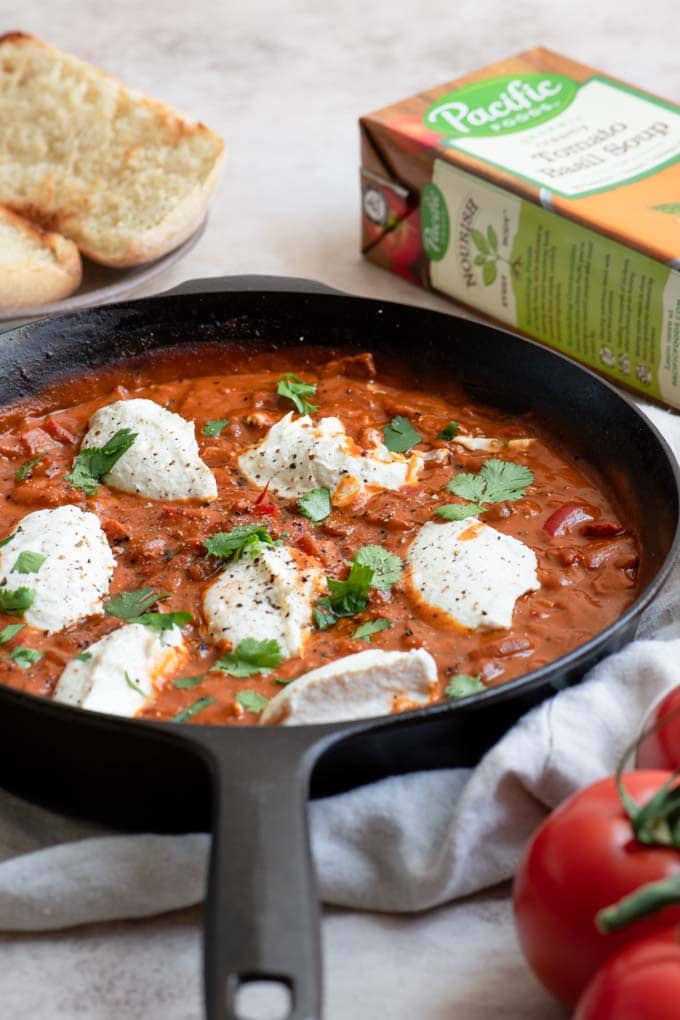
[[405, 843]]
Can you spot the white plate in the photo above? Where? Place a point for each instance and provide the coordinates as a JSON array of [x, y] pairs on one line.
[[102, 283]]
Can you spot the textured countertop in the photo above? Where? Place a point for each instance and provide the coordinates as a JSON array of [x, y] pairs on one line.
[[284, 84]]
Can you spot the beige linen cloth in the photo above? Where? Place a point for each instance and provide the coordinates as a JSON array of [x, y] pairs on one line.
[[406, 843]]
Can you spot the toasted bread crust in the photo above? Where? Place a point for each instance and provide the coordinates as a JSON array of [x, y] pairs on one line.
[[50, 270], [138, 193]]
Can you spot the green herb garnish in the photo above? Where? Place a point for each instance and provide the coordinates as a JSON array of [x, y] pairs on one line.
[[385, 565], [28, 563], [251, 701], [462, 685], [295, 389], [25, 657], [163, 621], [187, 683], [194, 709], [16, 602], [132, 604], [8, 539], [366, 631], [250, 657], [214, 426], [93, 463], [133, 686], [458, 511], [346, 597], [496, 482], [400, 435], [10, 631], [84, 657], [315, 505], [26, 468], [231, 545], [449, 431]]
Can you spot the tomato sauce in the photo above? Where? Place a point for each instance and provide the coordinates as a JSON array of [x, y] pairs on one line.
[[587, 556]]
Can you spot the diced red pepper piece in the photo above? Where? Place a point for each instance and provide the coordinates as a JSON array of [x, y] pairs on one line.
[[37, 441], [602, 529], [263, 506], [566, 517], [58, 432]]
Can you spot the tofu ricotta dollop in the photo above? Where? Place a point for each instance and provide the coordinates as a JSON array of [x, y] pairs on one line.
[[122, 670], [63, 557], [296, 455], [270, 593], [163, 462], [468, 574], [357, 686]]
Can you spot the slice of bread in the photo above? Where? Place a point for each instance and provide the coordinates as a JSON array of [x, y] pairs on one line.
[[36, 267], [124, 176]]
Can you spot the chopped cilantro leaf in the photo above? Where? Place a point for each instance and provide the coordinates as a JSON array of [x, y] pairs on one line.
[[16, 602], [28, 563], [25, 657], [84, 657], [315, 505], [462, 685], [458, 511], [249, 657], [449, 431], [10, 631], [194, 709], [351, 595], [131, 604], [400, 435], [187, 683], [163, 621], [133, 686], [468, 486], [26, 468], [214, 426], [295, 389], [496, 482], [385, 565], [323, 617], [366, 630], [232, 544], [251, 701], [94, 462]]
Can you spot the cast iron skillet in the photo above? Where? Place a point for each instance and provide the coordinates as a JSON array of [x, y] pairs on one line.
[[262, 914]]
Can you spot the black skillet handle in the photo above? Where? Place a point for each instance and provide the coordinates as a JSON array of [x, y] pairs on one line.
[[224, 284], [262, 908]]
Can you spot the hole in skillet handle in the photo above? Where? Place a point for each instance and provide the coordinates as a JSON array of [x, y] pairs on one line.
[[259, 998]]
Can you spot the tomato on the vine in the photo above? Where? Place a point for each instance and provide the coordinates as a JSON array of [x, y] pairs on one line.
[[587, 855], [660, 747], [641, 982]]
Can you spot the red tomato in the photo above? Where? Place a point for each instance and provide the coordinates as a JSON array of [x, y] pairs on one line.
[[403, 244], [642, 982], [661, 748], [582, 858], [566, 517]]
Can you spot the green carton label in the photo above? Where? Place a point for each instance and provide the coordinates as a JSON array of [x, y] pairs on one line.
[[611, 308]]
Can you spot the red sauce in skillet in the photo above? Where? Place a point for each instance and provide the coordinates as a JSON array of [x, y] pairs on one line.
[[587, 571]]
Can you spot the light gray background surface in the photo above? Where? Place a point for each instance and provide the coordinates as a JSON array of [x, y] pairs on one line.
[[284, 84]]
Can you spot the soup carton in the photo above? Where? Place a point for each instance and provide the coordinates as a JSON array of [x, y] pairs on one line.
[[546, 196]]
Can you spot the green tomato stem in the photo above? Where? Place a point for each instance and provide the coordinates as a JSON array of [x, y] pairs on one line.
[[646, 900]]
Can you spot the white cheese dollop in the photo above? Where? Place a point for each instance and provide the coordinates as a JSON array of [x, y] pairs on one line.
[[357, 686], [469, 574], [76, 571], [163, 462], [123, 671], [296, 455], [270, 594], [488, 445]]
